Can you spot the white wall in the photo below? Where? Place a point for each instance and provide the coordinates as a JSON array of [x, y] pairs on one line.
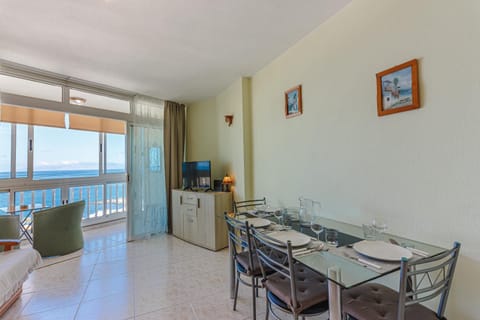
[[419, 170], [210, 138]]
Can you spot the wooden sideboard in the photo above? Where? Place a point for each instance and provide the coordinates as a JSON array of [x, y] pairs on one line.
[[197, 217]]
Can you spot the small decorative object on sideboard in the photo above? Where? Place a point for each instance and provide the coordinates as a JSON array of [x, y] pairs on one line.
[[397, 89], [227, 182], [293, 102]]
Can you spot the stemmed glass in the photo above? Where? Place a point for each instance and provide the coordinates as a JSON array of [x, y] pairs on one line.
[[316, 227], [278, 213], [315, 223]]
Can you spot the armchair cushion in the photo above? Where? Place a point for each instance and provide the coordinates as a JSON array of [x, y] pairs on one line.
[[9, 226], [58, 231]]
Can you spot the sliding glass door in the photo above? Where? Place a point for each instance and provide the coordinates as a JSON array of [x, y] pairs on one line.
[[147, 211]]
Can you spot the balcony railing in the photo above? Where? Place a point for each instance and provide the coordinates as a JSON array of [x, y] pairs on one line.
[[105, 196]]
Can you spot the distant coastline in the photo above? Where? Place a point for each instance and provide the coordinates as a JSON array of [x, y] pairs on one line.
[[56, 174]]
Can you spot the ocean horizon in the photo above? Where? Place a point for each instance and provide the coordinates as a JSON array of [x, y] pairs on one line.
[[53, 196]]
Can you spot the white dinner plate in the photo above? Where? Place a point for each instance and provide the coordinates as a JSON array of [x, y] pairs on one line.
[[381, 250], [258, 222], [296, 238]]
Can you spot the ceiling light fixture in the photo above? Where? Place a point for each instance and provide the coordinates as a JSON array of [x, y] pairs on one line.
[[78, 101]]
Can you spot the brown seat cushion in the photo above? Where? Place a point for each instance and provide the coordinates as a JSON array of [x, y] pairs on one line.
[[312, 287], [244, 260], [373, 301]]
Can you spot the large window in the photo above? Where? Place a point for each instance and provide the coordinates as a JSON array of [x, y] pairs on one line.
[[21, 154], [50, 157], [30, 88], [20, 142], [5, 150], [62, 153], [115, 151]]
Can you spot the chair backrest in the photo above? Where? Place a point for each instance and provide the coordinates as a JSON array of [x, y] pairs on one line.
[[273, 254], [58, 230], [248, 204], [239, 238], [9, 226], [426, 279]]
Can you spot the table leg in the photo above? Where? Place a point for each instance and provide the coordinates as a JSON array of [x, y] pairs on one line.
[[334, 294], [26, 234]]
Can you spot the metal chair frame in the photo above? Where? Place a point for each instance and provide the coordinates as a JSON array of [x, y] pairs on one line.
[[240, 241], [248, 204], [425, 279], [267, 247]]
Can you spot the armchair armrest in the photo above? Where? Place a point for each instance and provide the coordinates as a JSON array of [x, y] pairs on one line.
[[9, 244]]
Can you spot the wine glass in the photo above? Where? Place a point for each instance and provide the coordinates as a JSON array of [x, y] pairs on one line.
[[316, 227], [278, 213]]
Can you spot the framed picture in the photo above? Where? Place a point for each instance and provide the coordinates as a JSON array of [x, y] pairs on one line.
[[397, 89], [293, 102]]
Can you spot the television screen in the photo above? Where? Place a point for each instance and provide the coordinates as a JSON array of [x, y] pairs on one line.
[[196, 175]]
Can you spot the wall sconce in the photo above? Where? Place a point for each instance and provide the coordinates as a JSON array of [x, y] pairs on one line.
[[226, 183], [229, 119]]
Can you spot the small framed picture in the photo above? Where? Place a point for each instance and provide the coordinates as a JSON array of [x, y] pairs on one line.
[[397, 89], [293, 102]]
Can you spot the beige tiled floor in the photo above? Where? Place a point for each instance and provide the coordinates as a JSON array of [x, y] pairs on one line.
[[159, 278]]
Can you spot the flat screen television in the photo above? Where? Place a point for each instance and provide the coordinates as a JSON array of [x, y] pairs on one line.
[[196, 175]]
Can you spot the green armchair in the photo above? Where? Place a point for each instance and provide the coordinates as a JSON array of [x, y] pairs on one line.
[[58, 231], [9, 226], [9, 231]]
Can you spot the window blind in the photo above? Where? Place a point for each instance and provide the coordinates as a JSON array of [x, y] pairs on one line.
[[88, 123], [32, 116]]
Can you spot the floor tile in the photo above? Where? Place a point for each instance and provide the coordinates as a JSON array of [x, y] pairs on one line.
[[116, 306], [51, 299], [159, 278], [63, 313]]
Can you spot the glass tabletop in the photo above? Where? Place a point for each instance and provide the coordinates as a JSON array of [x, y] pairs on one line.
[[353, 273], [20, 209]]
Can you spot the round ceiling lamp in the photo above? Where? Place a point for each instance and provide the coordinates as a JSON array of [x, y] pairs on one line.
[[78, 100]]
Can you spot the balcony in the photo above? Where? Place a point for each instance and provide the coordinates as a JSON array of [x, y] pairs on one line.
[[105, 195]]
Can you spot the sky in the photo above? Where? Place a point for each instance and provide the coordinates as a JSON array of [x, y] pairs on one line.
[[60, 149]]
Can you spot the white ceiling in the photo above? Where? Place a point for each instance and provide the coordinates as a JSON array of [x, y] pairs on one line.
[[180, 50]]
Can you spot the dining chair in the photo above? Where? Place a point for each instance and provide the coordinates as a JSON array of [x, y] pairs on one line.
[[420, 281], [293, 287], [248, 204], [245, 259]]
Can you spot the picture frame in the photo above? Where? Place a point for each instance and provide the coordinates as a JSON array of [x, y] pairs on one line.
[[293, 102], [397, 89]]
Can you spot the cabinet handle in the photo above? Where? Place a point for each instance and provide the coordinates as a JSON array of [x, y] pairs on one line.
[[198, 203], [181, 199]]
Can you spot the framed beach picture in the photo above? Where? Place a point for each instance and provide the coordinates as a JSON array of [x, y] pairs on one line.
[[397, 89], [293, 102]]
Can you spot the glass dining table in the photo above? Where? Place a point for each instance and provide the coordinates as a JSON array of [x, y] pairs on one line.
[[341, 264]]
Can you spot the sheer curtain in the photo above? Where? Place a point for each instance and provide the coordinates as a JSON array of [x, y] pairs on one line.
[[147, 204]]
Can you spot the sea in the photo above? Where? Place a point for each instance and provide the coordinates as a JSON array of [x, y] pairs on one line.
[[53, 197]]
